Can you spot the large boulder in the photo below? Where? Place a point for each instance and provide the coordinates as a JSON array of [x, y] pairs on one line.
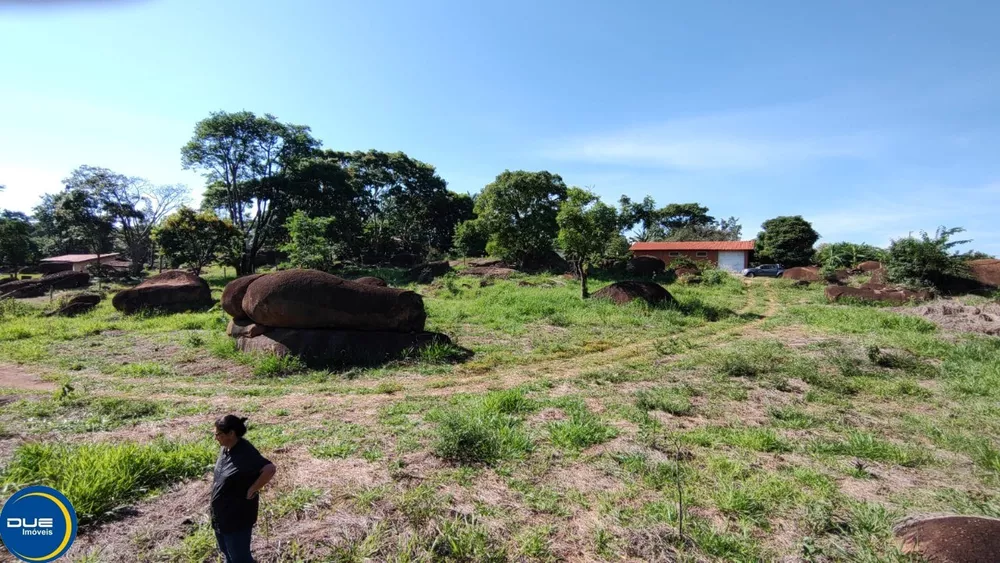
[[372, 280], [426, 272], [171, 291], [804, 273], [951, 539], [37, 287], [77, 305], [339, 347], [314, 299], [890, 295], [870, 266], [986, 272], [645, 266], [232, 296], [625, 291]]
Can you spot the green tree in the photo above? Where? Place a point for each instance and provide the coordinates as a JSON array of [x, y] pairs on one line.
[[247, 161], [405, 205], [192, 239], [927, 261], [519, 210], [470, 239], [73, 222], [645, 215], [17, 243], [586, 226], [786, 240], [133, 205], [309, 245]]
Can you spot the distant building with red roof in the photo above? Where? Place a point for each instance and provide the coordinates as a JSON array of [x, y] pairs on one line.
[[729, 255]]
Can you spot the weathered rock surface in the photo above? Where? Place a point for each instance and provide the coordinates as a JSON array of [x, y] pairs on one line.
[[626, 291], [233, 293], [339, 347], [951, 539], [245, 327], [77, 305], [171, 291], [313, 299], [489, 272]]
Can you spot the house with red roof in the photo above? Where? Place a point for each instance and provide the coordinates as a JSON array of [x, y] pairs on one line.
[[733, 255]]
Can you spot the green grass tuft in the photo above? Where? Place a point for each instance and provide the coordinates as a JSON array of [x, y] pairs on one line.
[[100, 477]]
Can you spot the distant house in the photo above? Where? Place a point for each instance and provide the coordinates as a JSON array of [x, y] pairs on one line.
[[75, 262], [728, 255]]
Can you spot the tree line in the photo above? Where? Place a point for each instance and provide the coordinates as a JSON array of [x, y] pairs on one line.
[[271, 186]]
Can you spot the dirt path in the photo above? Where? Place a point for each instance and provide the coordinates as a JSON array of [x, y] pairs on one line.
[[15, 377]]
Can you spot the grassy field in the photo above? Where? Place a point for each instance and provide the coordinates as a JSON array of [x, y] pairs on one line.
[[751, 422]]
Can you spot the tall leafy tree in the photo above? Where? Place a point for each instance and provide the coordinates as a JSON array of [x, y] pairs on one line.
[[722, 229], [405, 204], [195, 240], [133, 205], [17, 243], [246, 160], [787, 240], [519, 210], [645, 215], [73, 222], [470, 239], [586, 227]]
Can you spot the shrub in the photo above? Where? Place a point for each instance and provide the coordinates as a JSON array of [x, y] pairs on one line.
[[714, 276], [846, 255], [99, 477], [926, 261]]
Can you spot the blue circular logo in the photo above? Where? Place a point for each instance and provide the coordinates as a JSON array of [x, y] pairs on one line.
[[38, 524]]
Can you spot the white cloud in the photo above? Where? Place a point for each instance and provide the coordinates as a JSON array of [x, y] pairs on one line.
[[742, 140]]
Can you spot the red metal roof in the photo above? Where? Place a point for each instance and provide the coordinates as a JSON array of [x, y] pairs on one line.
[[694, 245], [76, 258]]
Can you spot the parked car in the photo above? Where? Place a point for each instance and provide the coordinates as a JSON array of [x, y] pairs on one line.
[[765, 270]]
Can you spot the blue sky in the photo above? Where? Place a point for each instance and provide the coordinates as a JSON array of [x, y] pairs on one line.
[[871, 119]]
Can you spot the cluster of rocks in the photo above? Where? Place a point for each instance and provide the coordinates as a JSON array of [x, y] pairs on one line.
[[26, 288], [893, 295], [173, 291], [325, 319]]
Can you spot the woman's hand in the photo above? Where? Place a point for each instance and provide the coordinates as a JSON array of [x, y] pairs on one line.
[[251, 492]]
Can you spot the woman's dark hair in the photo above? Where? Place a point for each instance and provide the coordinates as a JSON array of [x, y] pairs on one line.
[[232, 423]]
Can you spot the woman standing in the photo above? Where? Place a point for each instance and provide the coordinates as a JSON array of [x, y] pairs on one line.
[[240, 473]]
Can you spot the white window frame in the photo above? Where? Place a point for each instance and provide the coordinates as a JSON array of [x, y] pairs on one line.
[[701, 254], [673, 254]]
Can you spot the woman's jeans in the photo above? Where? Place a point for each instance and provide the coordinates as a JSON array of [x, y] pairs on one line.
[[235, 546]]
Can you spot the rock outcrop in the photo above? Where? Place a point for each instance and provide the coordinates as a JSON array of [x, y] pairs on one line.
[[314, 299], [626, 291], [172, 291], [324, 319]]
